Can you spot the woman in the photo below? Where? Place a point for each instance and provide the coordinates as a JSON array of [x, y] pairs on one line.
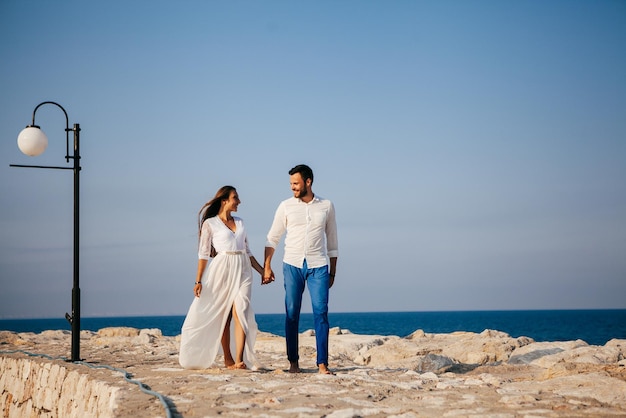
[[222, 290]]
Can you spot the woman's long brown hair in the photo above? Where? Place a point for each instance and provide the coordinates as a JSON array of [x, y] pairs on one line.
[[212, 207]]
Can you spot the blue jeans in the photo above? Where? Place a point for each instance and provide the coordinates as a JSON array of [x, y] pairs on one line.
[[295, 281]]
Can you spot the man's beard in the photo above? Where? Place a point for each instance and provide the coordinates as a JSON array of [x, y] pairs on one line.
[[302, 193]]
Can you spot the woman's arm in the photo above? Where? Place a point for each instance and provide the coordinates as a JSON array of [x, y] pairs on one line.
[[256, 265], [205, 251], [197, 289]]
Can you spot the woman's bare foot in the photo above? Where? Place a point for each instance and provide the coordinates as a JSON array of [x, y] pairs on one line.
[[323, 369], [238, 366], [294, 367]]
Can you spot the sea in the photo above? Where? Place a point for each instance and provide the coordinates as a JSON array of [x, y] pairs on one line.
[[595, 327]]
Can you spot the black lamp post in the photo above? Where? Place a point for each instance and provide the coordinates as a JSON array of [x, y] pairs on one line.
[[32, 141]]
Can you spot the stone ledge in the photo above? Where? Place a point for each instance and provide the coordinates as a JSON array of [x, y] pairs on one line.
[[40, 388]]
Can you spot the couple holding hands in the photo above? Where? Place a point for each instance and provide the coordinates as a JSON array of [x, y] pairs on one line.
[[223, 287]]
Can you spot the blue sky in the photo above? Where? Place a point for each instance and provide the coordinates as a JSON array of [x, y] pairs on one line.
[[475, 150]]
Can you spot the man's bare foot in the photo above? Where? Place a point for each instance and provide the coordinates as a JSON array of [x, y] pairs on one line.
[[323, 369], [294, 367]]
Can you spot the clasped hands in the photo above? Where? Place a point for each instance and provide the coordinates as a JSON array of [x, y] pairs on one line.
[[268, 276]]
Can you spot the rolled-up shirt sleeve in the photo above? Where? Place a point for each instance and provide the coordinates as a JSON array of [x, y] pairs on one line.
[[332, 243], [279, 225], [204, 247], [248, 252]]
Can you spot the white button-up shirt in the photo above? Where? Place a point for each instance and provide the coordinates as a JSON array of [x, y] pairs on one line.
[[311, 231]]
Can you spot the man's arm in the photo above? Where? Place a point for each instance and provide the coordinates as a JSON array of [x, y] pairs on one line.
[[273, 238], [332, 244], [331, 271], [268, 274]]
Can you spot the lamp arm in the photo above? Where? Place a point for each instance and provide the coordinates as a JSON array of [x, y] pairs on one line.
[[67, 127]]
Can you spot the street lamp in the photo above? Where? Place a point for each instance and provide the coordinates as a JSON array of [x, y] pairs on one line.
[[32, 141]]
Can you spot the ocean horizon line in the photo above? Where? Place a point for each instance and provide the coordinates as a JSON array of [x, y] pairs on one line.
[[595, 326], [164, 315]]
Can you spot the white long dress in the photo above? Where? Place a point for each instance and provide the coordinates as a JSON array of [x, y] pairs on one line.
[[227, 280]]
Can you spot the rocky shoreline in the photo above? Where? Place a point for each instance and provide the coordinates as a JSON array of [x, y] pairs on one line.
[[461, 374]]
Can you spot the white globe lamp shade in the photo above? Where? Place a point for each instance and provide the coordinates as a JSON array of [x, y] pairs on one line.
[[32, 141]]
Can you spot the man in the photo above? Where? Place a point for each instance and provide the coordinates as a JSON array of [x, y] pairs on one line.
[[310, 257]]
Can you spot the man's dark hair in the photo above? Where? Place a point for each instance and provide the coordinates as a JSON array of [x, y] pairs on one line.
[[304, 170]]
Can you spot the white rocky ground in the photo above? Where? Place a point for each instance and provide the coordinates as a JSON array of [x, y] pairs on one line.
[[461, 374]]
